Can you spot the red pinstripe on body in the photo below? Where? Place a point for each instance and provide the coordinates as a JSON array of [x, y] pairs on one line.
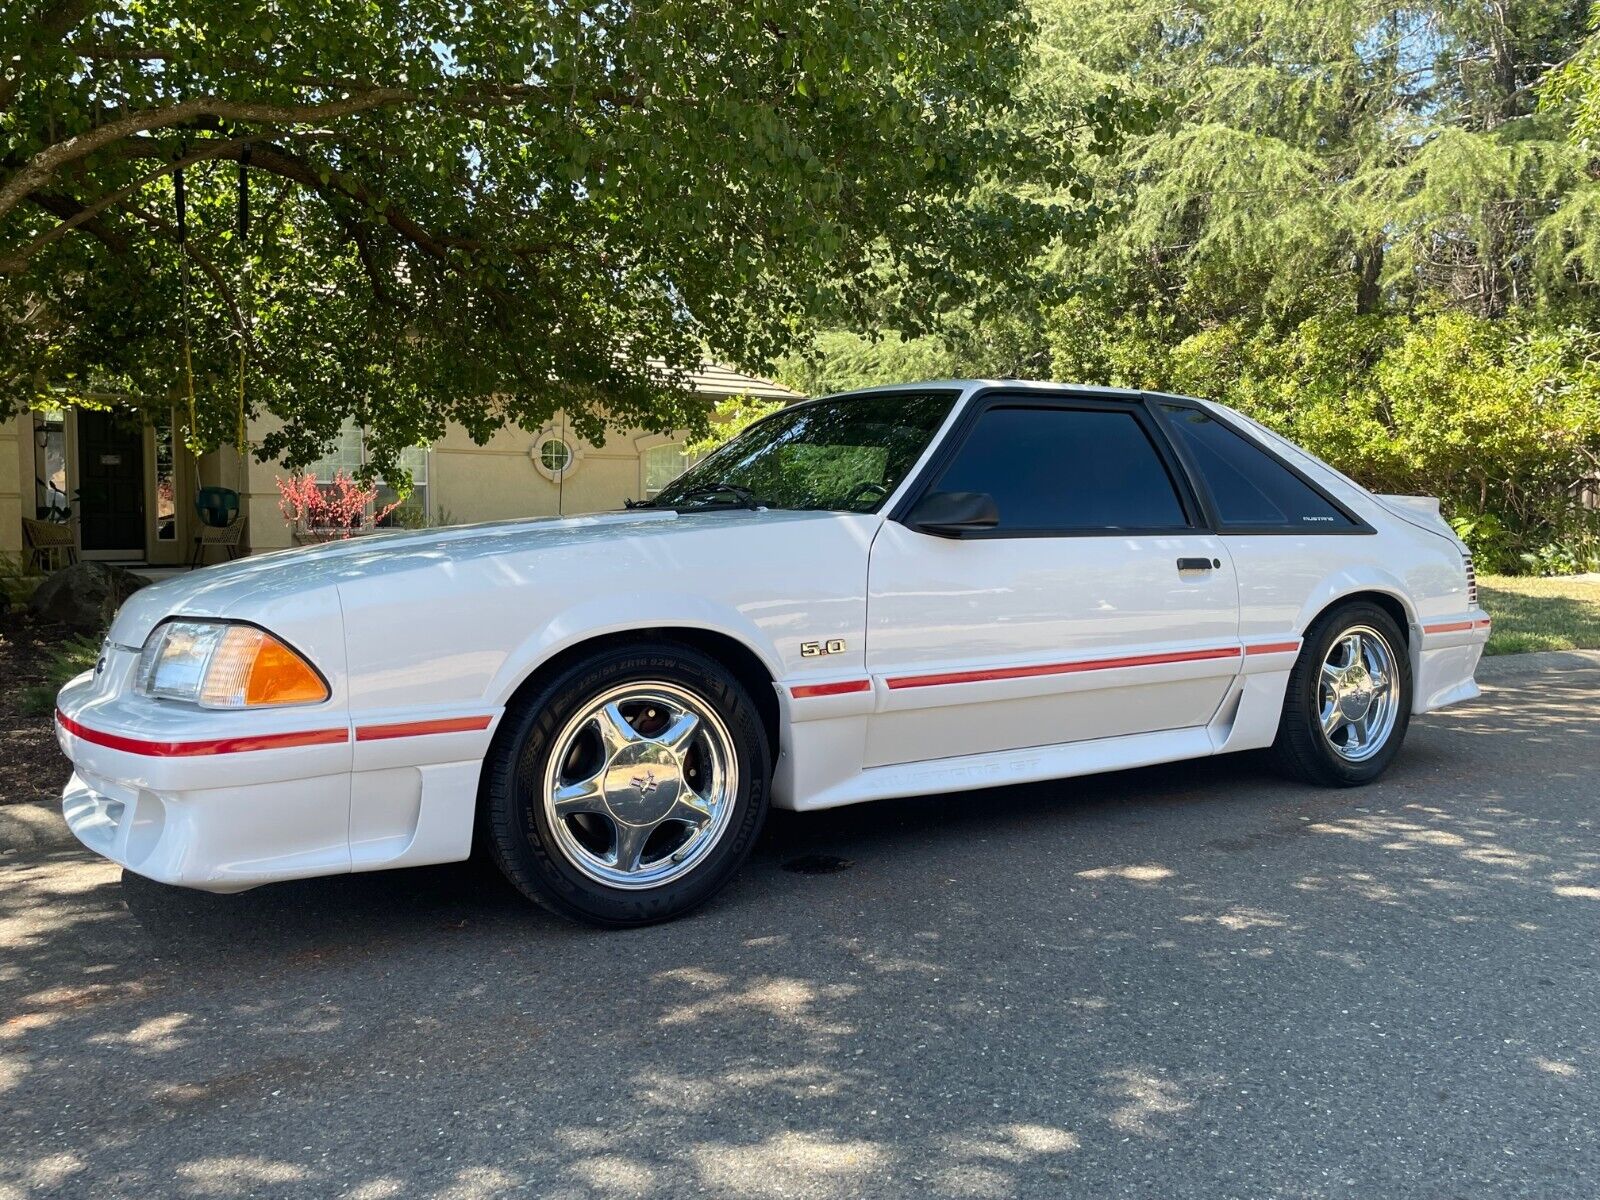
[[402, 729], [1272, 648], [1068, 668], [804, 691], [230, 745]]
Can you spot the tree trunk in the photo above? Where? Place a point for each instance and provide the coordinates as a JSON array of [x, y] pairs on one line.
[[1369, 268]]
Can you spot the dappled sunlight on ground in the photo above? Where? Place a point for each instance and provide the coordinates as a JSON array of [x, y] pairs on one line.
[[1191, 979]]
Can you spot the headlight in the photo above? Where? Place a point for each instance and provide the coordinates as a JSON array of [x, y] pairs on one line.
[[216, 664]]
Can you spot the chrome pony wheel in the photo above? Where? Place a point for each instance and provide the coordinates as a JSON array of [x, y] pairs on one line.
[[641, 785], [1358, 699]]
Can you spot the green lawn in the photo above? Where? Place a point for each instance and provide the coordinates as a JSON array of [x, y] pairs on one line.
[[1540, 614]]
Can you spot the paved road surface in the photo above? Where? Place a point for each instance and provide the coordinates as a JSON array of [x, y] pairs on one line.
[[1185, 981]]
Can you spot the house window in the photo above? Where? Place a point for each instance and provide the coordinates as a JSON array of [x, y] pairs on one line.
[[349, 455], [166, 477], [555, 455], [660, 465], [50, 467]]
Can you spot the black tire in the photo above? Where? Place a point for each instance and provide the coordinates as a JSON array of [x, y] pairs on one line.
[[516, 826], [1300, 749]]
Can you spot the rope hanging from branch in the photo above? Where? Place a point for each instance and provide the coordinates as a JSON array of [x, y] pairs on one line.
[[180, 204], [241, 436]]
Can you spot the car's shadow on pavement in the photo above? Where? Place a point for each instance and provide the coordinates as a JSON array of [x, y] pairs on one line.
[[369, 908]]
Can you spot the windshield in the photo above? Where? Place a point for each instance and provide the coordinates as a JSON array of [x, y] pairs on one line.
[[847, 454]]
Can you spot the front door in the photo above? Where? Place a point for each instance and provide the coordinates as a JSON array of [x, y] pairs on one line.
[[1097, 608], [111, 483]]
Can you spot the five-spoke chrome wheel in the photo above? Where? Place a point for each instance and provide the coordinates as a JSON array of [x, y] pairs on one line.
[[640, 785], [1358, 697]]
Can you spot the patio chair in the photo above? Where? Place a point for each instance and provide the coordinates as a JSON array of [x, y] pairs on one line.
[[230, 537], [218, 507], [49, 544]]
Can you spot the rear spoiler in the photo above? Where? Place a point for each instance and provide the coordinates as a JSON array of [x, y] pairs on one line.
[[1421, 511]]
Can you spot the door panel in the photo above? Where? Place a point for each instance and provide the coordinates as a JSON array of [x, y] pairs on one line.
[[110, 482], [1001, 643]]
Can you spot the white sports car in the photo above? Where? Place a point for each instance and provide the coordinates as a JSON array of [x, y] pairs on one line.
[[908, 590]]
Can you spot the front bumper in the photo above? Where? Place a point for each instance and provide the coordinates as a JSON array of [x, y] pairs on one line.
[[186, 797], [217, 839], [225, 801]]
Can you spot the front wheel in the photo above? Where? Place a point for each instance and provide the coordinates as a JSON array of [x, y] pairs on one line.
[[1348, 702], [630, 788]]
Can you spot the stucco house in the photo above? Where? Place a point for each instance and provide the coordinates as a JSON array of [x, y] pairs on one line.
[[125, 485]]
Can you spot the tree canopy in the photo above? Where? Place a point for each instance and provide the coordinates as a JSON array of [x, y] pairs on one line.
[[411, 212], [1374, 226]]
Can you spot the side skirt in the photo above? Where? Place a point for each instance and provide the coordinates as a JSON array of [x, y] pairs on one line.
[[820, 764], [1011, 766]]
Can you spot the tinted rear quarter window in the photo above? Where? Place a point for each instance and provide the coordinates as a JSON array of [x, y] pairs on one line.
[[1066, 469], [1249, 487]]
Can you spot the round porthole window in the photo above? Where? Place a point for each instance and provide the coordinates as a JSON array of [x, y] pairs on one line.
[[555, 455]]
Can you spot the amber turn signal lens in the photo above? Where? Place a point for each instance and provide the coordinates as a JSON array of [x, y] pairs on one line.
[[250, 668], [280, 676]]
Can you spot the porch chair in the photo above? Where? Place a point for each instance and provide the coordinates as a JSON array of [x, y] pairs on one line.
[[221, 523], [49, 544]]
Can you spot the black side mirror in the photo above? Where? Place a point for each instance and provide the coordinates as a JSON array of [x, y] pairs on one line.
[[950, 514]]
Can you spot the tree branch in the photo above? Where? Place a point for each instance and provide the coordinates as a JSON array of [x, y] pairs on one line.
[[67, 208], [18, 260], [42, 166]]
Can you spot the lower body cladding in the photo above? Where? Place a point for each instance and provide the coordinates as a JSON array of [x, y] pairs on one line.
[[829, 724], [239, 812], [225, 822]]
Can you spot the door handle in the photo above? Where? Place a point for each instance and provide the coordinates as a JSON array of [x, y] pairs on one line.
[[1198, 564]]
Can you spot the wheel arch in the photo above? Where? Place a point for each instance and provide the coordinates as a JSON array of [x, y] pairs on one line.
[[746, 665], [1385, 592]]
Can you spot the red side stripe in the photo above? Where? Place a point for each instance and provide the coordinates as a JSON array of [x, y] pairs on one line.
[[1448, 627], [1097, 664], [233, 745], [1483, 623], [376, 733], [1272, 648], [804, 691]]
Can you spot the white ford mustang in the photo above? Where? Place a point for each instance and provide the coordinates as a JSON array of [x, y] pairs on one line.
[[909, 590]]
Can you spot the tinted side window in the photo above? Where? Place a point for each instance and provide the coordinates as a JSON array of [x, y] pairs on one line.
[[1066, 469], [1249, 486]]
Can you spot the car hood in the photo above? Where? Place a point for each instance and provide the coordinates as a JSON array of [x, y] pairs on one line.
[[222, 591]]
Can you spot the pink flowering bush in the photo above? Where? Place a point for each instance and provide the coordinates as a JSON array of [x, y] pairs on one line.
[[336, 509]]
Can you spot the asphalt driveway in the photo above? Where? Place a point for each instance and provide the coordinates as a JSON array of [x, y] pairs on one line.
[[1186, 981]]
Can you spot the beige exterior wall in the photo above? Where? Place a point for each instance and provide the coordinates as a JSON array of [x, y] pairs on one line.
[[15, 445], [496, 481], [500, 479]]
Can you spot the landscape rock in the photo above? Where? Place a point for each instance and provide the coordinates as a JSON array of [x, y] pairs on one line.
[[84, 596]]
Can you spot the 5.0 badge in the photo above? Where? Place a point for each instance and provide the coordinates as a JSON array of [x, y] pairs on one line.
[[818, 649]]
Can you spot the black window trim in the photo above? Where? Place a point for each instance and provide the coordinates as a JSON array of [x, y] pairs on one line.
[[1155, 402], [1080, 399]]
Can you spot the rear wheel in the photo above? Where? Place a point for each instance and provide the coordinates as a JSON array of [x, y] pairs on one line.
[[1348, 702], [630, 788]]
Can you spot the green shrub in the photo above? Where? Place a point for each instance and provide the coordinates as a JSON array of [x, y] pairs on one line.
[[1498, 419], [17, 580], [72, 657]]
